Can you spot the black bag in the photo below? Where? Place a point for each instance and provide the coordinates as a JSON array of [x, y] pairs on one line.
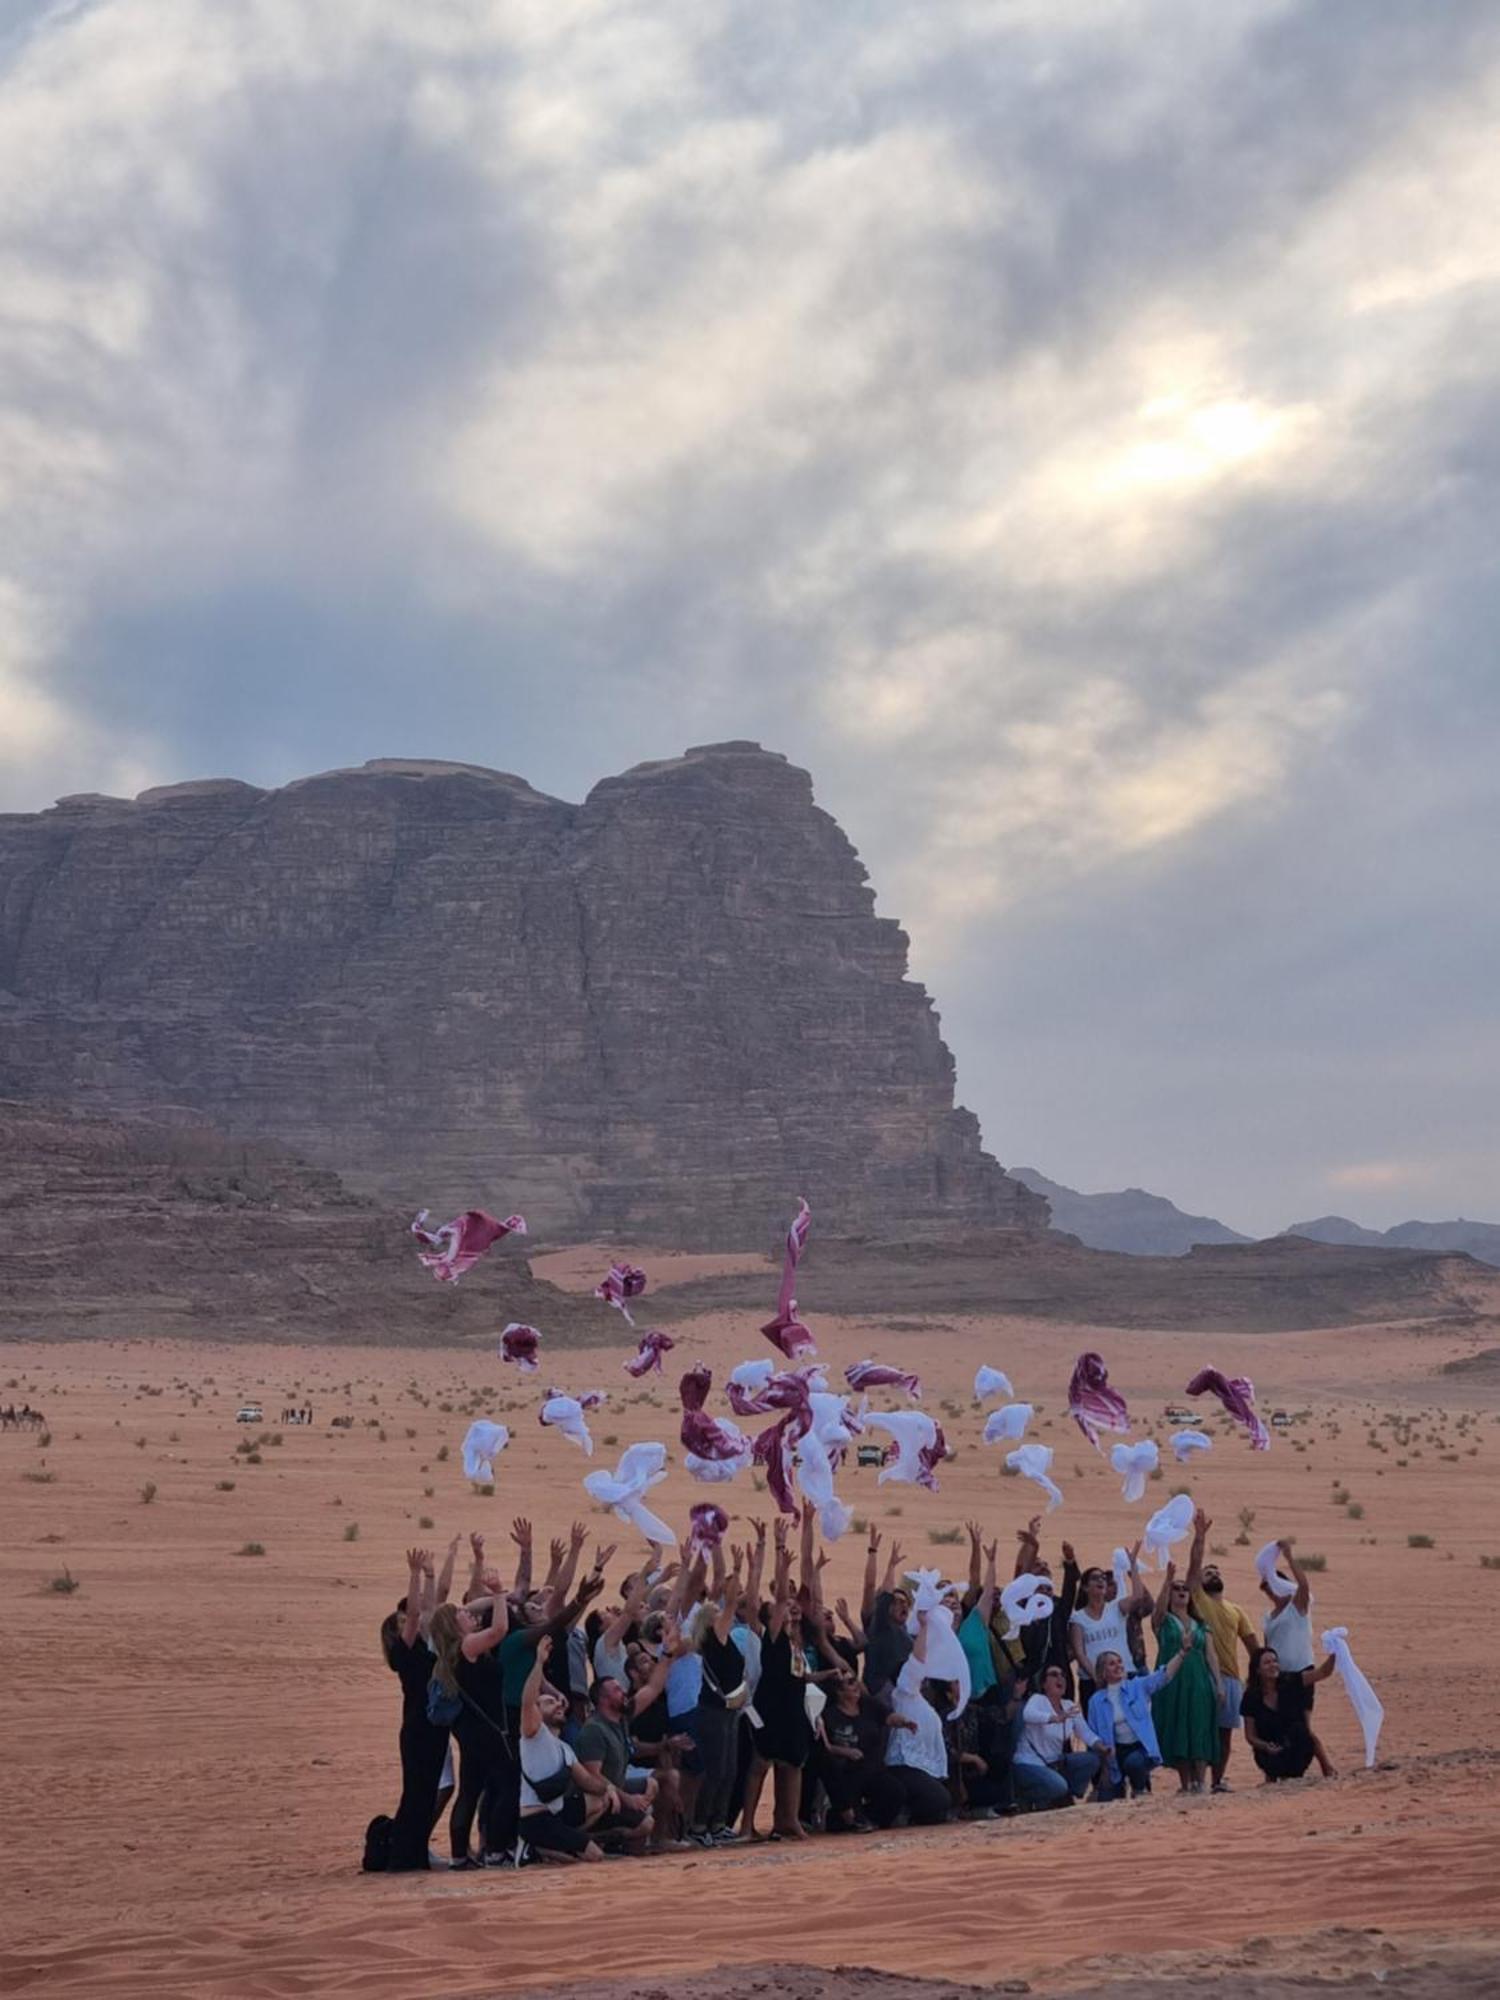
[[378, 1844], [549, 1790]]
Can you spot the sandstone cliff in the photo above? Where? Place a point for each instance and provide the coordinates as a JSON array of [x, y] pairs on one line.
[[661, 1014]]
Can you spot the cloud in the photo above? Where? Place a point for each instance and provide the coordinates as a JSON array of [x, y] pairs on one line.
[[1068, 425]]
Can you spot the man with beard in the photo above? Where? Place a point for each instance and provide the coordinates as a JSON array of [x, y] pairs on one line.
[[1227, 1626]]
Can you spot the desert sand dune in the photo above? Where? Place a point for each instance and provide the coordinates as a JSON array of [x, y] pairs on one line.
[[201, 1732]]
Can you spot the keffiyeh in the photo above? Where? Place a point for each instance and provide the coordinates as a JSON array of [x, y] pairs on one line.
[[1362, 1697], [1185, 1444], [619, 1283], [1092, 1404], [654, 1344], [917, 1447], [703, 1436], [1026, 1601], [709, 1525], [866, 1375], [1167, 1526], [640, 1468], [991, 1382], [786, 1331], [1034, 1462], [483, 1444], [458, 1245], [1008, 1423], [1237, 1394], [1265, 1568], [566, 1413], [1135, 1462], [519, 1344]]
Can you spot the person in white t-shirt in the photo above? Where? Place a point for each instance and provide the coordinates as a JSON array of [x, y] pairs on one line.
[[1288, 1624], [1101, 1622], [556, 1805]]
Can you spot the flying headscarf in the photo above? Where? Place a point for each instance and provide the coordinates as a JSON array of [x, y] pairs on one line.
[[1008, 1423], [619, 1283], [1135, 1462], [786, 1331], [565, 1413], [1186, 1443], [1034, 1462], [1167, 1526], [917, 1448], [991, 1382], [519, 1344], [1237, 1394], [654, 1344], [458, 1246], [641, 1467], [1265, 1568], [709, 1526], [865, 1375], [483, 1444], [703, 1436], [1026, 1600], [1092, 1404]]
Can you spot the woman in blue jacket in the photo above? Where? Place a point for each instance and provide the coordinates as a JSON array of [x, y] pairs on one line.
[[1120, 1716]]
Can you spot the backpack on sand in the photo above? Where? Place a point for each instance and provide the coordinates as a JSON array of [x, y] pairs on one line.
[[378, 1844]]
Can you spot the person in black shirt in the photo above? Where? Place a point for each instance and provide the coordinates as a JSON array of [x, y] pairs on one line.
[[850, 1733], [467, 1669], [423, 1744], [1275, 1713]]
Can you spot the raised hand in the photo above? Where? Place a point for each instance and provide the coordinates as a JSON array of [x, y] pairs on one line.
[[578, 1534], [974, 1532], [556, 1551], [1032, 1532], [1068, 1554], [603, 1556], [492, 1581], [874, 1542], [413, 1559], [1201, 1522], [520, 1534], [544, 1648]]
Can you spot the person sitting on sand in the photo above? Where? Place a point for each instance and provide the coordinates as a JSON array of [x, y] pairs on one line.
[[1120, 1716], [1047, 1770], [548, 1786], [914, 1778], [1228, 1626], [1276, 1712]]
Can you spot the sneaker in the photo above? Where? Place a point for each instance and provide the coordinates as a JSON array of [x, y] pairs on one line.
[[492, 1859], [701, 1837], [724, 1836], [1220, 1786], [465, 1861]]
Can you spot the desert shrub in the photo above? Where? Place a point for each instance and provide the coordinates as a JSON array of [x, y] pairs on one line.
[[351, 1531], [859, 1525], [251, 1549], [428, 1491], [64, 1583], [46, 1438], [224, 1486], [443, 1456], [1313, 1562], [1420, 1542], [148, 1492], [1355, 1511], [39, 1478], [1489, 1562], [1341, 1496], [423, 1521], [486, 1489], [611, 1437], [945, 1537]]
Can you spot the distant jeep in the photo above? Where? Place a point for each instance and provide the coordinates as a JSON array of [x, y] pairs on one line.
[[872, 1454], [343, 1423], [249, 1413]]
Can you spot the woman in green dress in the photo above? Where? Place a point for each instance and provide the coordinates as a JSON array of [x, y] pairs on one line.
[[1186, 1710]]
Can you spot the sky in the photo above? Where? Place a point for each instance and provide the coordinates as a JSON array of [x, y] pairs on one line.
[[1069, 428]]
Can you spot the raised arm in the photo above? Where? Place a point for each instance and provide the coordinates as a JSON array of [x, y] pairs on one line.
[[531, 1707], [445, 1575], [1028, 1543], [1141, 1599], [975, 1569], [1164, 1598], [655, 1682], [856, 1632], [867, 1594], [1312, 1675], [629, 1612], [810, 1585], [476, 1644], [1299, 1576], [476, 1566], [520, 1534], [411, 1621], [988, 1594], [1201, 1526], [568, 1568], [756, 1566]]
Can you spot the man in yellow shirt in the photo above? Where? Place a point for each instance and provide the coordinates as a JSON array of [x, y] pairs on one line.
[[1227, 1625]]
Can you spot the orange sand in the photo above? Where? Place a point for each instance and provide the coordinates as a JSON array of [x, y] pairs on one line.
[[200, 1736]]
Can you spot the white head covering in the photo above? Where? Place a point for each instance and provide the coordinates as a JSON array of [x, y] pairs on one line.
[[1265, 1569], [1362, 1697], [1135, 1461], [1034, 1461], [1026, 1600], [912, 1430], [992, 1382], [483, 1444], [1167, 1526], [1186, 1443], [1003, 1425], [641, 1467]]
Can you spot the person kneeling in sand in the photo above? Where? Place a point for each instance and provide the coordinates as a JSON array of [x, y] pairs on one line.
[[1277, 1717], [1120, 1716], [560, 1806]]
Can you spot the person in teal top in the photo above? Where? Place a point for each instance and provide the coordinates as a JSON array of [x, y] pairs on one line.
[[1186, 1710], [974, 1632]]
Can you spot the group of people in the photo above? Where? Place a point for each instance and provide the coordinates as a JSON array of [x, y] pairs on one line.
[[22, 1418], [654, 1721]]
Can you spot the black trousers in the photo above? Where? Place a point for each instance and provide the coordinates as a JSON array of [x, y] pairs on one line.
[[898, 1788], [423, 1748]]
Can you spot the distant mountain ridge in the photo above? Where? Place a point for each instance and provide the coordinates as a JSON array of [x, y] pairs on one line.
[[1478, 1239], [1140, 1224], [1148, 1225]]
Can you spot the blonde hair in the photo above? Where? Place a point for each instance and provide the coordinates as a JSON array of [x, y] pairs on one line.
[[446, 1637]]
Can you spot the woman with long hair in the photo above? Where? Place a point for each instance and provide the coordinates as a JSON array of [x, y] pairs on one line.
[[465, 1640], [783, 1742], [1186, 1710], [1275, 1714], [1047, 1769]]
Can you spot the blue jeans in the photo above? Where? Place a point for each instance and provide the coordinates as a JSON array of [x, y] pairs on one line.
[[1133, 1767], [1051, 1784]]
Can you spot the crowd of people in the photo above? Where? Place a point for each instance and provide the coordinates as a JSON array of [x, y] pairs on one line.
[[652, 1722]]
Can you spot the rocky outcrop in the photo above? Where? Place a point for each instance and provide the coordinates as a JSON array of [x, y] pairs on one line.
[[662, 1014], [115, 1227], [1132, 1221]]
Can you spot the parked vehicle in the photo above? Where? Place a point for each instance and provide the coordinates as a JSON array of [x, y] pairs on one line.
[[872, 1454], [249, 1413]]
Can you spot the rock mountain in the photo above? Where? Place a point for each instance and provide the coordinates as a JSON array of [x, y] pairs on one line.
[[661, 1014]]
